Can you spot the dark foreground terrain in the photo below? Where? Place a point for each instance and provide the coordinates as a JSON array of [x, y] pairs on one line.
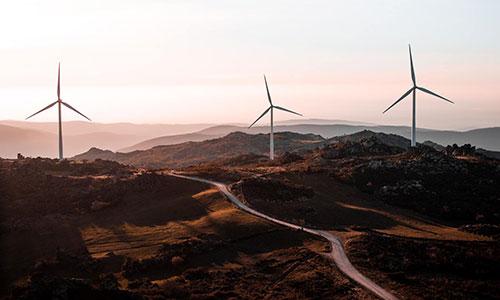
[[103, 231], [429, 269], [422, 223]]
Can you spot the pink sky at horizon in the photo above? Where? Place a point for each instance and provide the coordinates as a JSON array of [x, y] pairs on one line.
[[193, 62]]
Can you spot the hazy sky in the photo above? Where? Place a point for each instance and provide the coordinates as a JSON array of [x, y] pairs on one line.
[[184, 61]]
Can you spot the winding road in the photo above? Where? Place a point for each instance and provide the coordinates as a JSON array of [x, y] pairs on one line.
[[337, 253]]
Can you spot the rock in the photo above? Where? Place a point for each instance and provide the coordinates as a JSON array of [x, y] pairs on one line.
[[108, 282], [98, 205], [375, 164], [483, 229], [177, 261]]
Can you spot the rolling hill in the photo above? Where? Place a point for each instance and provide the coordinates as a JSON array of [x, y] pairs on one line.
[[192, 153]]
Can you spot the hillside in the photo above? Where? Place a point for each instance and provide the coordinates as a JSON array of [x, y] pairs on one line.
[[392, 140], [102, 231], [458, 184], [192, 153], [387, 201]]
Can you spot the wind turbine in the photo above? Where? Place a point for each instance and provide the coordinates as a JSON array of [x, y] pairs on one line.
[[414, 91], [59, 102], [270, 108]]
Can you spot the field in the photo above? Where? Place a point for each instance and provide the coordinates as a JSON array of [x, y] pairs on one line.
[[165, 237]]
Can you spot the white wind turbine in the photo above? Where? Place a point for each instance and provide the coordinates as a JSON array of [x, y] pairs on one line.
[[59, 102], [414, 91], [270, 108]]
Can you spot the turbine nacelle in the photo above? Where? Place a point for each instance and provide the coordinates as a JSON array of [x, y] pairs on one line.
[[270, 109], [271, 105], [59, 100], [414, 89]]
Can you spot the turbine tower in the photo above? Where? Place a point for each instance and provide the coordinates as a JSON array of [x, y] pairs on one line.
[[270, 108], [414, 91], [59, 102]]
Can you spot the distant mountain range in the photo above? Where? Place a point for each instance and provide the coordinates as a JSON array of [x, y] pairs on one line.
[[40, 139], [83, 127], [487, 138], [170, 140], [35, 143], [318, 122]]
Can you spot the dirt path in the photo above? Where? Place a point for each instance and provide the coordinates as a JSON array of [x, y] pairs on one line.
[[337, 253]]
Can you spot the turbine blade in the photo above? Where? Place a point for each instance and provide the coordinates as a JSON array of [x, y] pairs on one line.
[[47, 107], [59, 82], [265, 112], [281, 108], [412, 68], [401, 98], [72, 108], [434, 94], [268, 94]]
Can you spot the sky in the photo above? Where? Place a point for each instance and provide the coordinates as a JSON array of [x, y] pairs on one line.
[[182, 61]]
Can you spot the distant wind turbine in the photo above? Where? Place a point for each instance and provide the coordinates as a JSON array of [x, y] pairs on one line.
[[414, 91], [59, 102], [270, 108]]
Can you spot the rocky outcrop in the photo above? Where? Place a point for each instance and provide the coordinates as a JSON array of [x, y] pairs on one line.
[[363, 147], [435, 183]]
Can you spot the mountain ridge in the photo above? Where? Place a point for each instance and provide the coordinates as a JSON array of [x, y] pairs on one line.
[[192, 153], [487, 138], [135, 137]]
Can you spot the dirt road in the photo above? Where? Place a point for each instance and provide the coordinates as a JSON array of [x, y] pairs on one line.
[[337, 253]]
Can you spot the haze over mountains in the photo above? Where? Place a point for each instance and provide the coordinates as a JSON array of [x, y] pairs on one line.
[[39, 139], [487, 138]]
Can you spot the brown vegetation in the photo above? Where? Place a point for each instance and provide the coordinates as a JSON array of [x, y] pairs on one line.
[[410, 218], [162, 237], [429, 269], [400, 211]]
